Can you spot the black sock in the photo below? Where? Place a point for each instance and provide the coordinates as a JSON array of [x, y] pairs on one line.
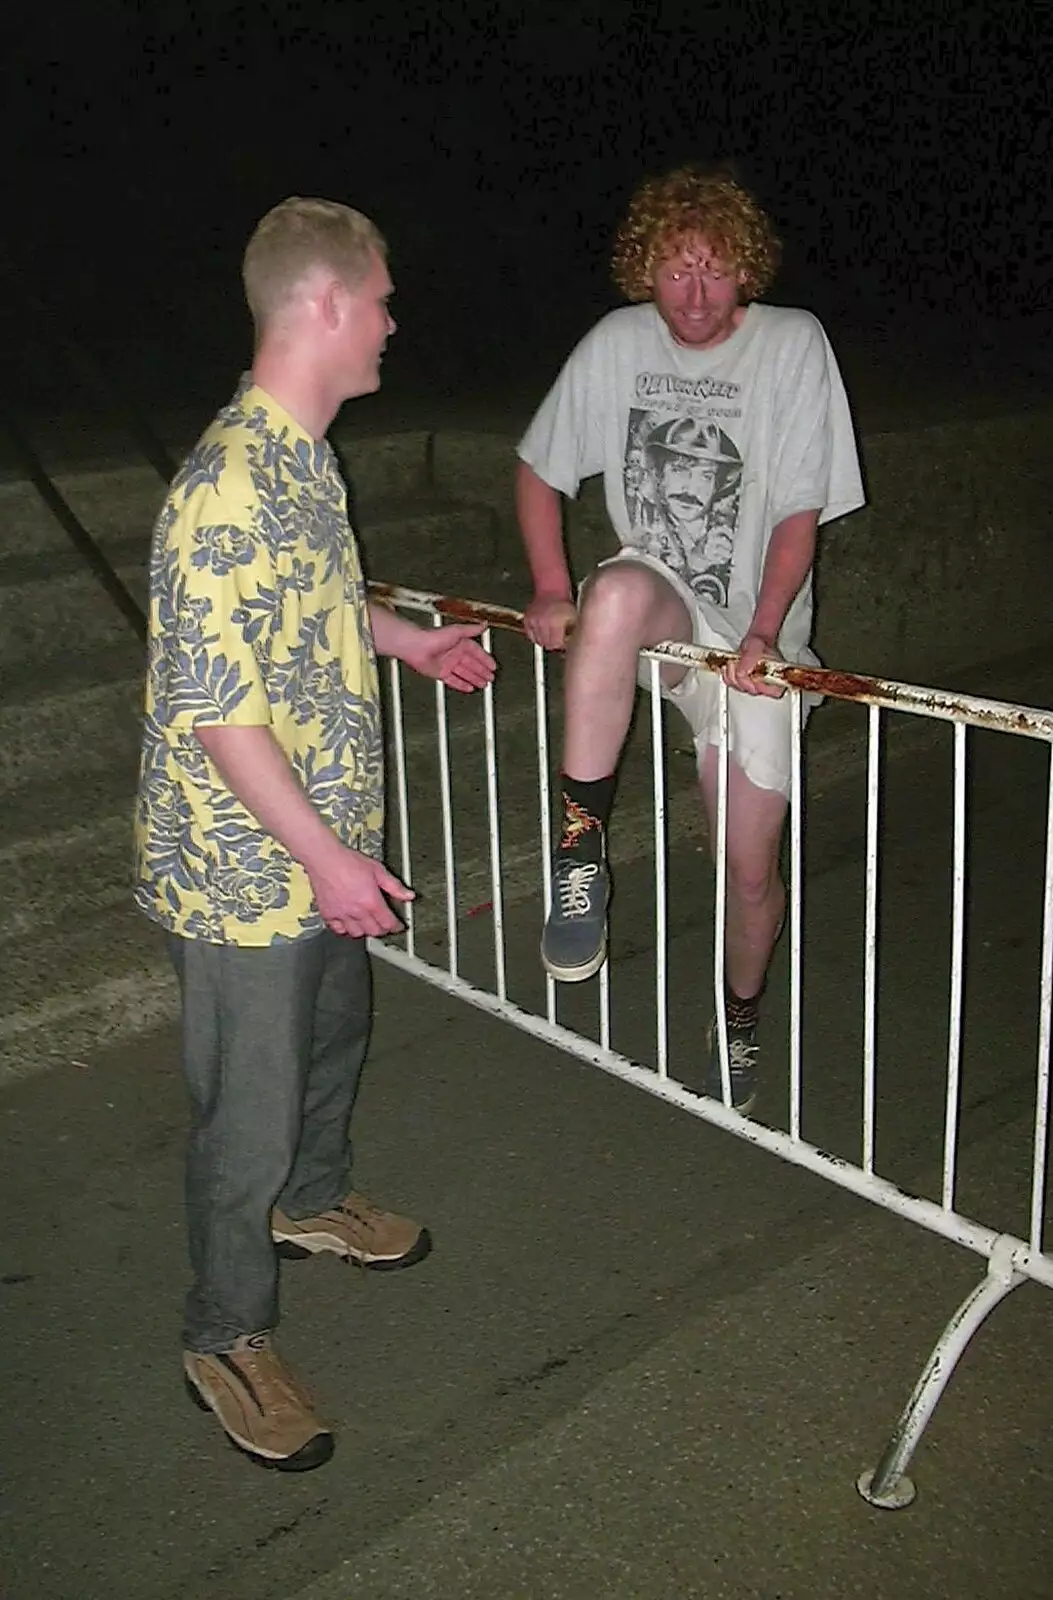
[[586, 808]]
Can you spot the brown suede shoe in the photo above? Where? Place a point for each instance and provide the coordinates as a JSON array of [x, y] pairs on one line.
[[355, 1229], [259, 1403]]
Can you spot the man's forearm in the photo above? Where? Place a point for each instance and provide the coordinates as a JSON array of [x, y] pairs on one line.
[[791, 551], [392, 635], [255, 769], [541, 524]]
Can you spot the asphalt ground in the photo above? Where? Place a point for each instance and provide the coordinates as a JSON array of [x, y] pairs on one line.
[[645, 1359]]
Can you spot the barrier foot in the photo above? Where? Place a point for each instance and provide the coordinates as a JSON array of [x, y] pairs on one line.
[[888, 1485]]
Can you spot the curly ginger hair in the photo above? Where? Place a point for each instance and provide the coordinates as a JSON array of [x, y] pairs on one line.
[[692, 200]]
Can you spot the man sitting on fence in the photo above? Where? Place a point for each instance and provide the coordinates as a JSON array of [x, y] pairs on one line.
[[260, 814], [723, 434]]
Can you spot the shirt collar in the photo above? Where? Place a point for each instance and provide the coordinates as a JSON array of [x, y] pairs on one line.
[[251, 397]]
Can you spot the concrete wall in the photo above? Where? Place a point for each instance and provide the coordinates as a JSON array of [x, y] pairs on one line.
[[951, 562]]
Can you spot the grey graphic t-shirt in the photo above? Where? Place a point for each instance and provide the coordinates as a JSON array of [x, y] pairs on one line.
[[704, 453]]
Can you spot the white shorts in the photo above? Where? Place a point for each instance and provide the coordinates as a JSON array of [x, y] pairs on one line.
[[759, 726]]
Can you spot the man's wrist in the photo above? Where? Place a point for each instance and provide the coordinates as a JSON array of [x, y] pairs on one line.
[[321, 851]]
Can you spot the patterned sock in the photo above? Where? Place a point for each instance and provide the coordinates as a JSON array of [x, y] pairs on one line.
[[741, 1013], [586, 808]]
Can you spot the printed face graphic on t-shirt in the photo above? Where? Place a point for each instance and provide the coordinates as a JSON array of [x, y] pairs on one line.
[[683, 476], [685, 489]]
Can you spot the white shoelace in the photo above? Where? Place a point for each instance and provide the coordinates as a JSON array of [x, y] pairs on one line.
[[574, 890], [742, 1055]]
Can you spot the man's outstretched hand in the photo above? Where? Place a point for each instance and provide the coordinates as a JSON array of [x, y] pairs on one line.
[[454, 655]]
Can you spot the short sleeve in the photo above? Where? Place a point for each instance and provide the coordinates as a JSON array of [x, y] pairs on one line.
[[816, 462], [564, 442], [214, 599]]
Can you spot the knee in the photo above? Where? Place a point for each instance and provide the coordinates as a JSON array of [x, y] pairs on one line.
[[752, 879], [617, 599]]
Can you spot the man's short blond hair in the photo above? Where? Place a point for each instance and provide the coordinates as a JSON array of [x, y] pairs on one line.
[[297, 236]]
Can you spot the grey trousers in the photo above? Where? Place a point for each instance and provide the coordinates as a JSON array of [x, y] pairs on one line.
[[273, 1045]]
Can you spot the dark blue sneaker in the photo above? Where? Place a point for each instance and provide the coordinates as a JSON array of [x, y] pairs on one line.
[[743, 1061], [574, 941]]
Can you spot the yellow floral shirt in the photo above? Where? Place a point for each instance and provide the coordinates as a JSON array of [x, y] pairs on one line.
[[258, 616]]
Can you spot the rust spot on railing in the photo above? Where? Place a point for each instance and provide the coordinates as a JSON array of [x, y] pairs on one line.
[[822, 680], [448, 605]]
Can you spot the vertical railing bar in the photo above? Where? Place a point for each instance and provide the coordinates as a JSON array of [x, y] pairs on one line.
[[796, 898], [721, 896], [494, 820], [870, 936], [544, 787], [954, 1033], [447, 817], [661, 970], [1045, 1030], [605, 1004], [402, 795]]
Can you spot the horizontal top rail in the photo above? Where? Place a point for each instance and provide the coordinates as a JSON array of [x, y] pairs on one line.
[[1032, 721]]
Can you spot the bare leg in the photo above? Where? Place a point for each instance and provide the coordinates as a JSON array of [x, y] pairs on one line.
[[625, 608], [756, 896]]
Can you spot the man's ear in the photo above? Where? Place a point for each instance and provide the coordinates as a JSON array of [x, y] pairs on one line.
[[330, 304]]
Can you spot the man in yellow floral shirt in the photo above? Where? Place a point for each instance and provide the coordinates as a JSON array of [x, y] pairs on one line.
[[258, 829]]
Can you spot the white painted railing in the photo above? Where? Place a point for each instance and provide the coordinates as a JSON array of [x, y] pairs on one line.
[[1010, 1259]]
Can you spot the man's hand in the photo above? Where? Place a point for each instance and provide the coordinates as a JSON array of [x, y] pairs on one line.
[[548, 620], [452, 655], [352, 892], [738, 674]]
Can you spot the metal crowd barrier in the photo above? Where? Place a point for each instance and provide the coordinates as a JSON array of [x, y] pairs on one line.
[[1010, 1259]]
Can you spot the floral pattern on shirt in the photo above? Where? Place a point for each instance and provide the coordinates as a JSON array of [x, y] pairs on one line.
[[258, 616]]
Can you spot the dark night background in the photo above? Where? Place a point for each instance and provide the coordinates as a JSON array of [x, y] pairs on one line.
[[903, 149]]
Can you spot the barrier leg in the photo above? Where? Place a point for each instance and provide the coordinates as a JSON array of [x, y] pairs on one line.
[[887, 1485]]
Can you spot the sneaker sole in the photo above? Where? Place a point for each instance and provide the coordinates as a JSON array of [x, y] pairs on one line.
[[298, 1246], [588, 969], [315, 1453], [743, 1110]]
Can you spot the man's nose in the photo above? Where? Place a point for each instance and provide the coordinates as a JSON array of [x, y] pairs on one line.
[[696, 290]]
